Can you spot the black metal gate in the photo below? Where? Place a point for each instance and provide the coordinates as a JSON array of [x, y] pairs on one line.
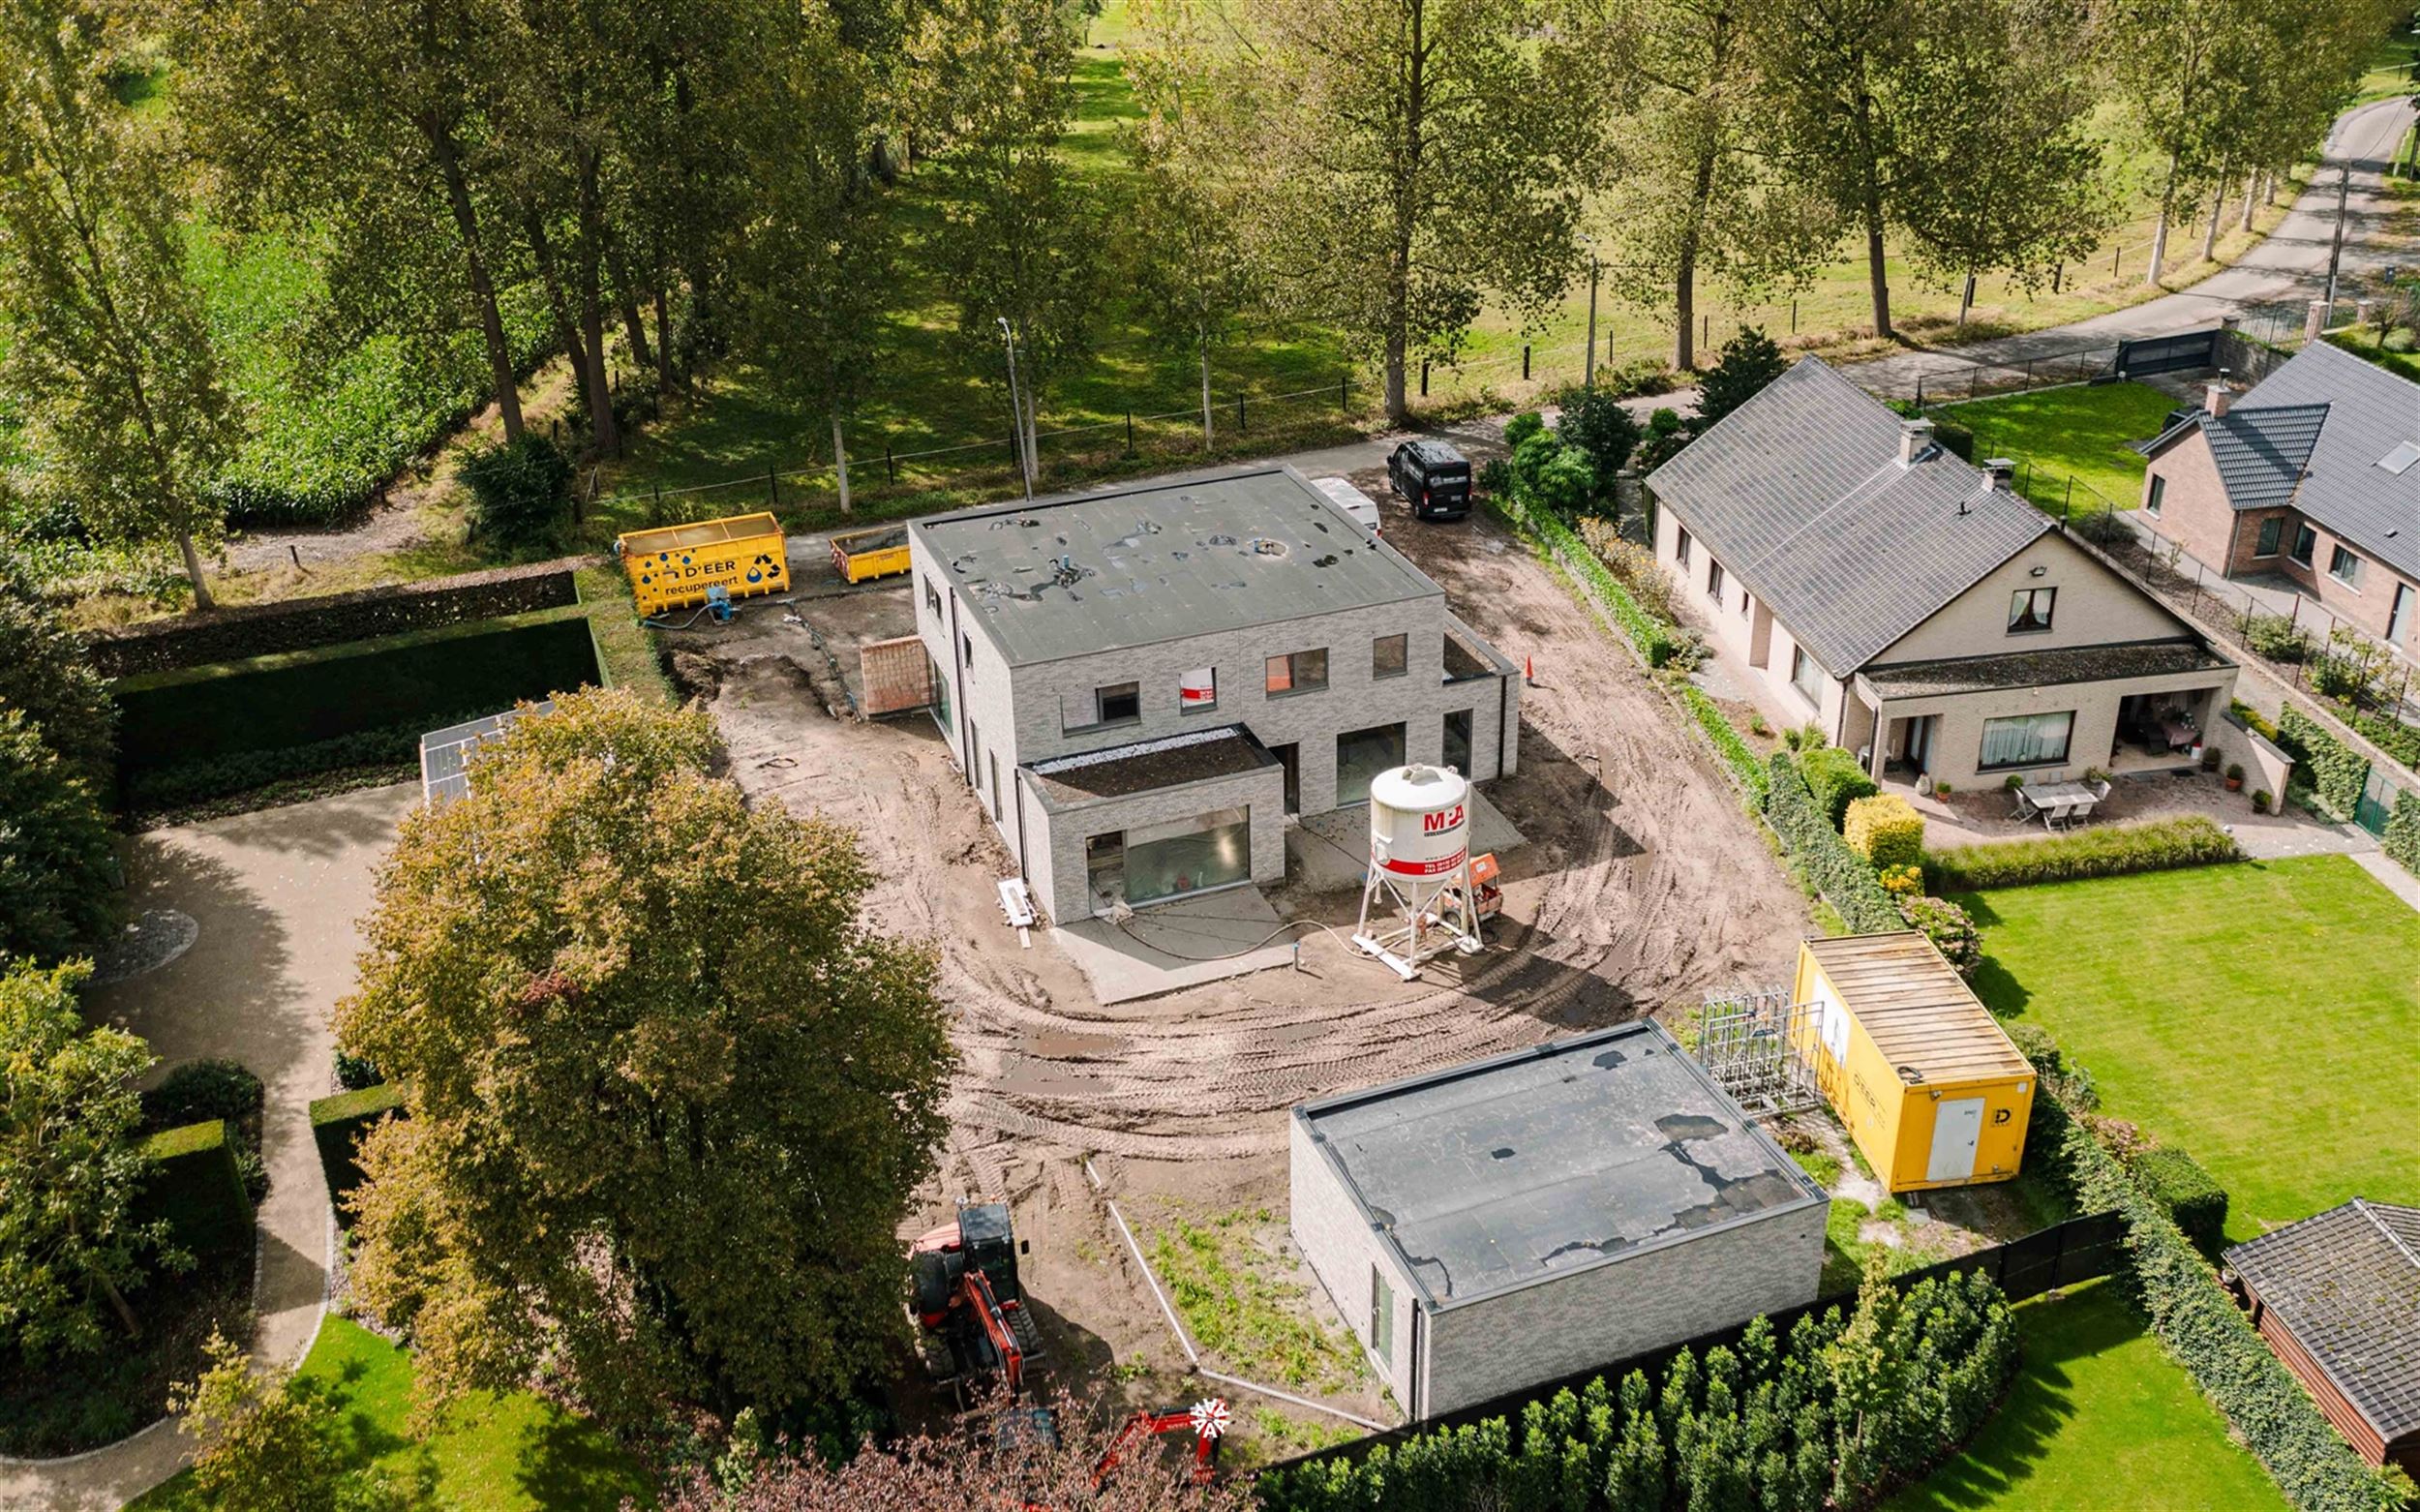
[[2183, 352]]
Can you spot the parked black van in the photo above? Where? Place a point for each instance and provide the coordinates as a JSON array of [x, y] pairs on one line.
[[1431, 478]]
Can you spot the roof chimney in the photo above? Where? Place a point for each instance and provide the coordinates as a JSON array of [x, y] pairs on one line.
[[2218, 396], [2002, 471], [1914, 437]]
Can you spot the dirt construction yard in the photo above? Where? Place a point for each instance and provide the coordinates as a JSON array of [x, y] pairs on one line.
[[1643, 885]]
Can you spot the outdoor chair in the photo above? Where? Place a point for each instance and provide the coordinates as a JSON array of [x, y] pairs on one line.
[[2100, 789], [2055, 814], [2025, 808]]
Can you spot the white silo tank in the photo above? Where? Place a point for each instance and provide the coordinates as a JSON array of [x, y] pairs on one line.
[[1418, 899]]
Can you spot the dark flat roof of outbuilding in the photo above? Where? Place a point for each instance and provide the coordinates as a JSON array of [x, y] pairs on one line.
[[1098, 572], [1169, 761], [1517, 1168], [2043, 668]]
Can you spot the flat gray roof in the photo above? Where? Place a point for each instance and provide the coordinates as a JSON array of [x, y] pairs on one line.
[[1067, 577], [1511, 1170]]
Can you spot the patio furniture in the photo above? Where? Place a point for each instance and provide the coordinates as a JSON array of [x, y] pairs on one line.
[[2025, 807], [2178, 731], [2063, 803]]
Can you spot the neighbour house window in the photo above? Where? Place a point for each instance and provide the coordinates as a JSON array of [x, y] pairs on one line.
[[1197, 689], [2272, 531], [1747, 601], [1389, 656], [2029, 609], [2306, 542], [932, 598], [1118, 703], [2157, 496], [2344, 567], [1805, 676], [1714, 581], [1381, 1316], [1298, 672], [1681, 545], [2027, 739]]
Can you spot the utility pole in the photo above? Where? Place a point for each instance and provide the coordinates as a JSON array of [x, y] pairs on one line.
[[1017, 407], [1587, 379], [2336, 246]]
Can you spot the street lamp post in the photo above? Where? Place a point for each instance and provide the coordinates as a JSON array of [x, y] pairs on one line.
[[1588, 373], [1016, 412]]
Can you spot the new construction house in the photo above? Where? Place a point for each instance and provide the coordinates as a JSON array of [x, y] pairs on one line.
[[1141, 685], [1517, 1220], [1913, 606]]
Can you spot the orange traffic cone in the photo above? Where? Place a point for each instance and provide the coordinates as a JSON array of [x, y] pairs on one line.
[[1529, 671]]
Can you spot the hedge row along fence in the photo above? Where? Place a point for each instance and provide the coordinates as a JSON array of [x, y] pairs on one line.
[[1844, 1409], [246, 630], [338, 1125], [2402, 840], [197, 1187], [1846, 879], [2111, 850], [2191, 1313], [2337, 771]]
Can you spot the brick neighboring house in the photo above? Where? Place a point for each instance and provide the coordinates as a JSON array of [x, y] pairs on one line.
[[1915, 609], [2314, 477], [2338, 1298]]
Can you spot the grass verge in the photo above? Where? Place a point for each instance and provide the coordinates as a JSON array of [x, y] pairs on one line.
[[1227, 1287], [2080, 433]]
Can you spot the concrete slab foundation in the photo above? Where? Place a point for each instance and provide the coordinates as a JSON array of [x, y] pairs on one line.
[[1177, 945]]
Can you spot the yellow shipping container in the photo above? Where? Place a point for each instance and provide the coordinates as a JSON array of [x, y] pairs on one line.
[[1922, 1077], [672, 567]]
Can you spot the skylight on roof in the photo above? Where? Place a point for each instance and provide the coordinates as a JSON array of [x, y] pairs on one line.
[[2401, 457]]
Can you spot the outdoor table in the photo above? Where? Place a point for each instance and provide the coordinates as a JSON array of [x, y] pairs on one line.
[[2073, 797], [2178, 733]]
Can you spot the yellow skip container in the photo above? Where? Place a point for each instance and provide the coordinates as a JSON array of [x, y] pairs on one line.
[[672, 567], [861, 556]]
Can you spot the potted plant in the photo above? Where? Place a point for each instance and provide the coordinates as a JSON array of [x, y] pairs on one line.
[[2209, 756], [2017, 779], [1941, 790], [2260, 802], [2235, 778]]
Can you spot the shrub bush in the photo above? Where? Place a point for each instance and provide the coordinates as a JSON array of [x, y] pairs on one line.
[[2113, 850], [355, 1073], [2387, 733], [2402, 840], [58, 858], [198, 1190], [1521, 427], [338, 1124], [1839, 873], [1794, 1425], [1886, 830], [1665, 434], [1949, 927], [2103, 527], [1597, 425], [2335, 771], [1836, 780], [1632, 565], [2275, 637], [2187, 1194], [1745, 770], [1652, 639], [520, 490], [201, 1090]]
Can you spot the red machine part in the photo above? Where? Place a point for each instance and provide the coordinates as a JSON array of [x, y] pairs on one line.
[[1206, 1420]]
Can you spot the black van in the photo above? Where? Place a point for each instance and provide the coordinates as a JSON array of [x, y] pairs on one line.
[[1433, 479]]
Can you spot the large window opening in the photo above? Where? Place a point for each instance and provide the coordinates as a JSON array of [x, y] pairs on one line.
[[2027, 739], [1807, 675], [941, 693], [1458, 741], [1389, 656], [1297, 672], [1155, 863], [1361, 755], [2272, 533]]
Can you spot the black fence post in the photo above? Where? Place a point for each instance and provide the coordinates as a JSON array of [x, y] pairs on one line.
[[1525, 362], [1345, 393], [890, 462], [1130, 433], [1239, 412], [1793, 317], [773, 485], [1705, 330], [1424, 377]]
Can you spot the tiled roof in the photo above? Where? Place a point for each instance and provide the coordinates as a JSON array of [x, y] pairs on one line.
[[2346, 1283], [2312, 435], [1799, 493]]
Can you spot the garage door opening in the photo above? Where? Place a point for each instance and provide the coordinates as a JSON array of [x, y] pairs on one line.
[[1361, 755], [1156, 863]]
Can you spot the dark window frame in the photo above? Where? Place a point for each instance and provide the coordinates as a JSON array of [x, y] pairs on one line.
[[1101, 695], [2067, 743], [2040, 609], [2156, 496], [2269, 538], [1295, 681], [1378, 669], [2345, 566], [2306, 545]]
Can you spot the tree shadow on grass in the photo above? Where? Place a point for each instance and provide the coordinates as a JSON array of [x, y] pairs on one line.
[[1994, 1467], [570, 1465]]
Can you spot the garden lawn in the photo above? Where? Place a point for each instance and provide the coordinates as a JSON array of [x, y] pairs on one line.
[[2263, 1016], [491, 1453], [2055, 434], [2100, 1419]]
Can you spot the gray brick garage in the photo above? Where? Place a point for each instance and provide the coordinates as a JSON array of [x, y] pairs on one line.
[[1518, 1219]]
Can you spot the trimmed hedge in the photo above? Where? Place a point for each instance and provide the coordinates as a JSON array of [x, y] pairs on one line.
[[2187, 1194], [2111, 850], [2334, 768], [197, 1187], [1886, 830], [1745, 769], [2390, 735], [2200, 1323], [1838, 872], [2402, 839], [1651, 638], [337, 1127], [1836, 780]]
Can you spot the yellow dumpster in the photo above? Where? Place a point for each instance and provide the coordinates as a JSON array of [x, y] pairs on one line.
[[861, 556], [672, 567], [1922, 1077]]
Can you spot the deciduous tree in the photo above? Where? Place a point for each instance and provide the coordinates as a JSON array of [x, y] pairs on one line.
[[267, 1441], [668, 1093], [105, 336], [70, 1169]]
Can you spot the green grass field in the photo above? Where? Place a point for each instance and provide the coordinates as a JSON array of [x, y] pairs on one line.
[[2062, 433], [495, 1453], [2264, 1017], [2099, 1420]]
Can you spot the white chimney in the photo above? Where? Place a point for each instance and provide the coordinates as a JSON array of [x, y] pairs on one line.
[[2002, 471], [2218, 396], [1914, 437]]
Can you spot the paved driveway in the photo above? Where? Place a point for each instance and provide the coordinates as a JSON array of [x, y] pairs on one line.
[[275, 894]]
